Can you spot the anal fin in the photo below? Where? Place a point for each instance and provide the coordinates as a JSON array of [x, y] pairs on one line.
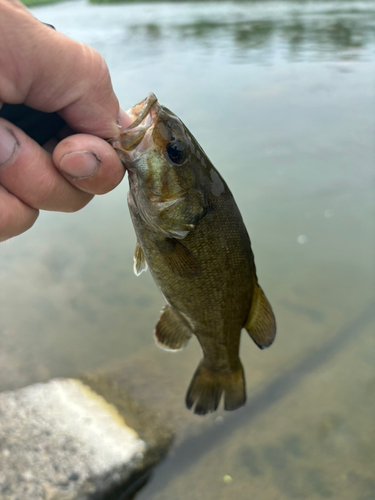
[[261, 323], [171, 332], [140, 263]]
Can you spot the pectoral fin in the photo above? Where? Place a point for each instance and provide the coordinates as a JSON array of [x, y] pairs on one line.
[[140, 263], [261, 323], [179, 258], [171, 333]]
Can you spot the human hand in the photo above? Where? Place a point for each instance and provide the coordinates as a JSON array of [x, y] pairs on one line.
[[50, 72]]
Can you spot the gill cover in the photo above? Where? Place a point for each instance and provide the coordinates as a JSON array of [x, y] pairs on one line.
[[160, 155]]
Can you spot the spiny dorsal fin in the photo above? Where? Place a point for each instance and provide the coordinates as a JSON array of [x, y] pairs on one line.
[[171, 333], [261, 323], [179, 258], [140, 263]]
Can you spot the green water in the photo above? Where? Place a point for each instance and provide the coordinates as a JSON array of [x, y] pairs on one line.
[[281, 97]]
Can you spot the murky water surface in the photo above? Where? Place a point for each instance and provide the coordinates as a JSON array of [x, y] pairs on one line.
[[281, 97]]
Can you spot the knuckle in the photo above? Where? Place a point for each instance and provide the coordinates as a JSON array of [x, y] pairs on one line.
[[97, 67]]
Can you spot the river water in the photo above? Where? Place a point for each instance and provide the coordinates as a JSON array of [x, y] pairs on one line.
[[281, 97]]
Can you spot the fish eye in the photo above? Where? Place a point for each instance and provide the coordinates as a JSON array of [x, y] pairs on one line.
[[176, 151]]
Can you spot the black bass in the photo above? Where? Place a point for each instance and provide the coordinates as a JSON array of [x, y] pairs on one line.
[[191, 236]]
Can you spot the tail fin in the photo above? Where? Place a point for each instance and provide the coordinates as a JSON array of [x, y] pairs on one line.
[[207, 386]]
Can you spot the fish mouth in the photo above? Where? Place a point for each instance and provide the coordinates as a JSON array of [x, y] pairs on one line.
[[144, 114], [141, 110]]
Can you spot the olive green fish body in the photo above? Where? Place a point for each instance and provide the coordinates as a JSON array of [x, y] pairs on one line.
[[216, 301], [191, 235]]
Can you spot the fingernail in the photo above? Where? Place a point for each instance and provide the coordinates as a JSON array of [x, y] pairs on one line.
[[124, 119], [80, 164], [8, 144]]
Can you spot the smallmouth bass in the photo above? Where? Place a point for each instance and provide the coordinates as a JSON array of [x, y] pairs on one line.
[[191, 236]]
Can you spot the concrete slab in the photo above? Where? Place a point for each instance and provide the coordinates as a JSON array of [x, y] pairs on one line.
[[63, 441]]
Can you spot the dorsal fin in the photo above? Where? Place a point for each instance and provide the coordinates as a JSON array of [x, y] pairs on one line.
[[171, 332], [140, 263], [261, 323]]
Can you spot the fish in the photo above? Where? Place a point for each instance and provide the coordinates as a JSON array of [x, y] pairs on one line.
[[191, 236]]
